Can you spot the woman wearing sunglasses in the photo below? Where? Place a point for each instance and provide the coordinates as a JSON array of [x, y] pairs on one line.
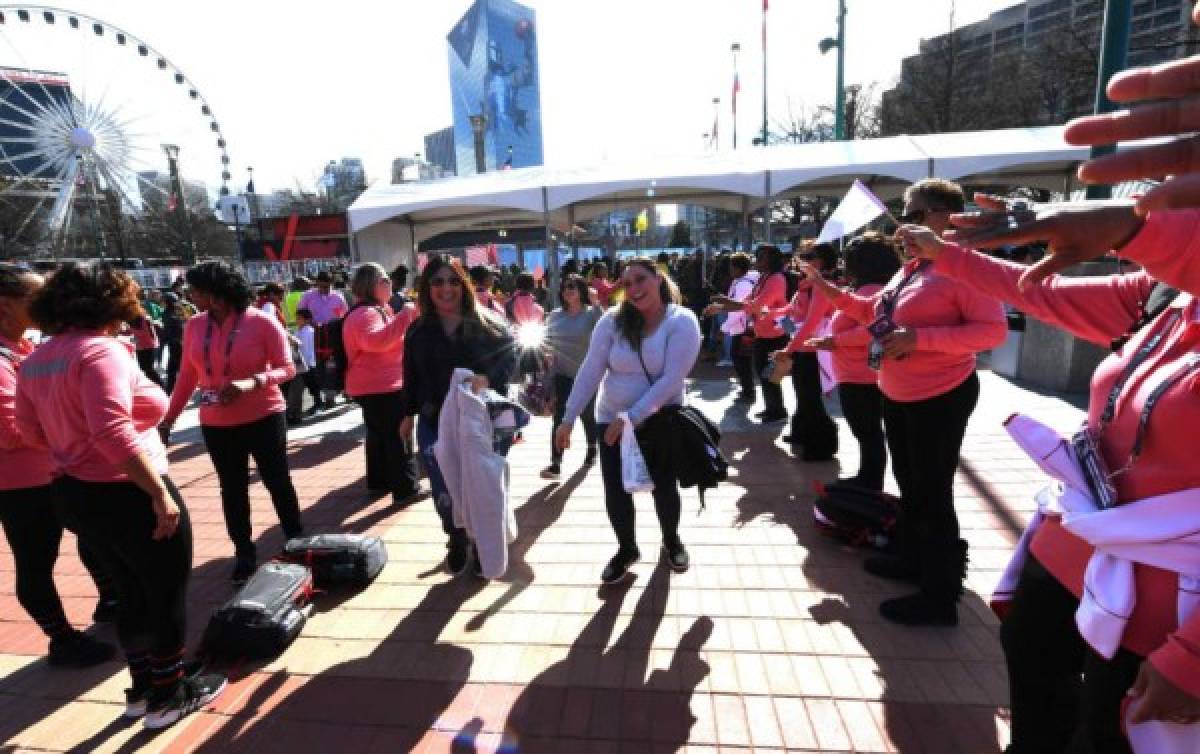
[[568, 335], [926, 329], [452, 332]]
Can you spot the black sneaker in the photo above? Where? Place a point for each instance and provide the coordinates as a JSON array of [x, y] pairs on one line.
[[920, 610], [892, 568], [551, 472], [78, 650], [456, 555], [746, 397], [311, 412], [106, 611], [770, 417], [189, 695], [136, 701], [618, 568], [677, 556], [590, 458], [243, 569], [408, 498]]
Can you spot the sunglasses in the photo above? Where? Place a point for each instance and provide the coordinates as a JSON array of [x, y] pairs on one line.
[[917, 216], [439, 282]]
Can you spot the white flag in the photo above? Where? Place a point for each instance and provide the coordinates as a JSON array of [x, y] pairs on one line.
[[858, 208]]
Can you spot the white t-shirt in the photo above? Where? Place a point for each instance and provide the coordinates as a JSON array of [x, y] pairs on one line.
[[739, 290]]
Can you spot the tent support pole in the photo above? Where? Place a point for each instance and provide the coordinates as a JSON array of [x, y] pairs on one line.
[[551, 252], [748, 234], [412, 247], [767, 211], [571, 232]]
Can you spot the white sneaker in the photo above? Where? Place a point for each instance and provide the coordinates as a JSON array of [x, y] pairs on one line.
[[190, 695]]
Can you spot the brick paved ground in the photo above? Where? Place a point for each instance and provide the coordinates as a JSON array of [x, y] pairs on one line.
[[771, 641]]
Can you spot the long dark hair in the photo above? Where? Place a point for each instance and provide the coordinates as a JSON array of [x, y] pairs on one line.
[[474, 318], [871, 258], [223, 281], [629, 320]]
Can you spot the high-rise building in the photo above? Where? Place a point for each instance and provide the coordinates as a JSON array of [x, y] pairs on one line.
[[496, 97], [24, 96], [344, 181], [415, 170], [439, 150], [1030, 64]]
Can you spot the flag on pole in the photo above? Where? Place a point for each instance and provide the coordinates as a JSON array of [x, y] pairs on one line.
[[857, 208], [737, 87], [714, 141]]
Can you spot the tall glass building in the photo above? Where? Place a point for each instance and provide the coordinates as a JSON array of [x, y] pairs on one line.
[[496, 97]]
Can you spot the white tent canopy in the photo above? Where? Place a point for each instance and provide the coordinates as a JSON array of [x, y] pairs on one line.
[[736, 180]]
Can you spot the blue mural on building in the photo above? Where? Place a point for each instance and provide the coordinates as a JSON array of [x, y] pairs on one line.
[[494, 75]]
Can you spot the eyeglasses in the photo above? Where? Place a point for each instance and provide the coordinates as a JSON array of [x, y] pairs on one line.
[[439, 282]]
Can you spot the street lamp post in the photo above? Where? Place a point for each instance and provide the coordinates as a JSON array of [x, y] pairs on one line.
[[478, 124], [827, 44], [237, 232], [172, 152], [1114, 44]]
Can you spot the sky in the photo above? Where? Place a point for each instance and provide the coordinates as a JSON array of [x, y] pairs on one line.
[[296, 84]]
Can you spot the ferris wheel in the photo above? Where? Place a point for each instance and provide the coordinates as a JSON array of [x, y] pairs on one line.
[[99, 131]]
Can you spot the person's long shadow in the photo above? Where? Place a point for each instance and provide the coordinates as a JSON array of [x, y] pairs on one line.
[[538, 513], [646, 708], [406, 682]]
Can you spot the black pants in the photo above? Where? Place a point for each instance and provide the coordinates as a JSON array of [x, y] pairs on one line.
[[116, 520], [174, 360], [1065, 697], [619, 503], [862, 405], [772, 393], [390, 464], [34, 534], [811, 425], [230, 449], [743, 363], [925, 438], [146, 358], [312, 385], [562, 391]]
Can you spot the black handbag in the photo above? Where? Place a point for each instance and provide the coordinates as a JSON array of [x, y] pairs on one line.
[[264, 617], [338, 559]]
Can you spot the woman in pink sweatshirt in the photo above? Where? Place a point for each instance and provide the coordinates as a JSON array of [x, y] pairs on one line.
[[83, 397], [237, 355], [926, 329], [30, 525], [1050, 666], [871, 261], [374, 339]]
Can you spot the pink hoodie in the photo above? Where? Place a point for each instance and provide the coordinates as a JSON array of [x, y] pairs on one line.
[[953, 322], [24, 465], [374, 340], [83, 396], [259, 350], [810, 310], [850, 341], [772, 294], [1100, 309]]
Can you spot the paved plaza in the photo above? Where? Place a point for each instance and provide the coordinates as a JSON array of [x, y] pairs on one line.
[[770, 643]]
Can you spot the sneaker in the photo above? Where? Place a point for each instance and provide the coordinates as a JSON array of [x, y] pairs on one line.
[[106, 611], [892, 568], [551, 472], [456, 555], [78, 650], [770, 417], [724, 363], [590, 458], [243, 569], [136, 701], [920, 610], [408, 498], [189, 695], [311, 412], [677, 556], [618, 568]]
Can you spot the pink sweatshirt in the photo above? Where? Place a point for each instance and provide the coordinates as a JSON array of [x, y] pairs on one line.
[[259, 350], [374, 340], [850, 341], [526, 309], [1100, 309], [810, 310], [772, 294], [24, 465], [82, 396], [953, 322], [603, 289]]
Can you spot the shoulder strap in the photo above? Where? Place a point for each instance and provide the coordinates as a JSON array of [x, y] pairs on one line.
[[1161, 296], [11, 355], [645, 371]]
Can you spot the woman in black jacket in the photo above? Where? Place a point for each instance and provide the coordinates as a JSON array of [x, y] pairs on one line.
[[451, 333]]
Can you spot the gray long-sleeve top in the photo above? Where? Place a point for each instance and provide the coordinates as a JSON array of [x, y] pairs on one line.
[[569, 335], [612, 364]]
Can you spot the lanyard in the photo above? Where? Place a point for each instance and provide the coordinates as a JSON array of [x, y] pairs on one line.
[[891, 298], [1139, 358], [208, 333]]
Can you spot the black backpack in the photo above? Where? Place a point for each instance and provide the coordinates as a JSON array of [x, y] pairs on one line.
[[1161, 296], [338, 559], [264, 617], [686, 441], [856, 515]]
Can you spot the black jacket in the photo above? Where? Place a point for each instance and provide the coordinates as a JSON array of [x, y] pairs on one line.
[[682, 441], [430, 358]]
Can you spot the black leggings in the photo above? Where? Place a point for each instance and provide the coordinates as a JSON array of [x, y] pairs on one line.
[[390, 464], [619, 503], [862, 405], [116, 520], [1065, 697], [811, 425], [562, 391], [230, 449], [925, 438], [743, 363], [772, 392], [174, 360], [34, 534]]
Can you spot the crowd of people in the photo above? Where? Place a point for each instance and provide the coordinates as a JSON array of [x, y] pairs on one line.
[[1098, 606]]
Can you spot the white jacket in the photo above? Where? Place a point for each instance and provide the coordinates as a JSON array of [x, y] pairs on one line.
[[476, 476]]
